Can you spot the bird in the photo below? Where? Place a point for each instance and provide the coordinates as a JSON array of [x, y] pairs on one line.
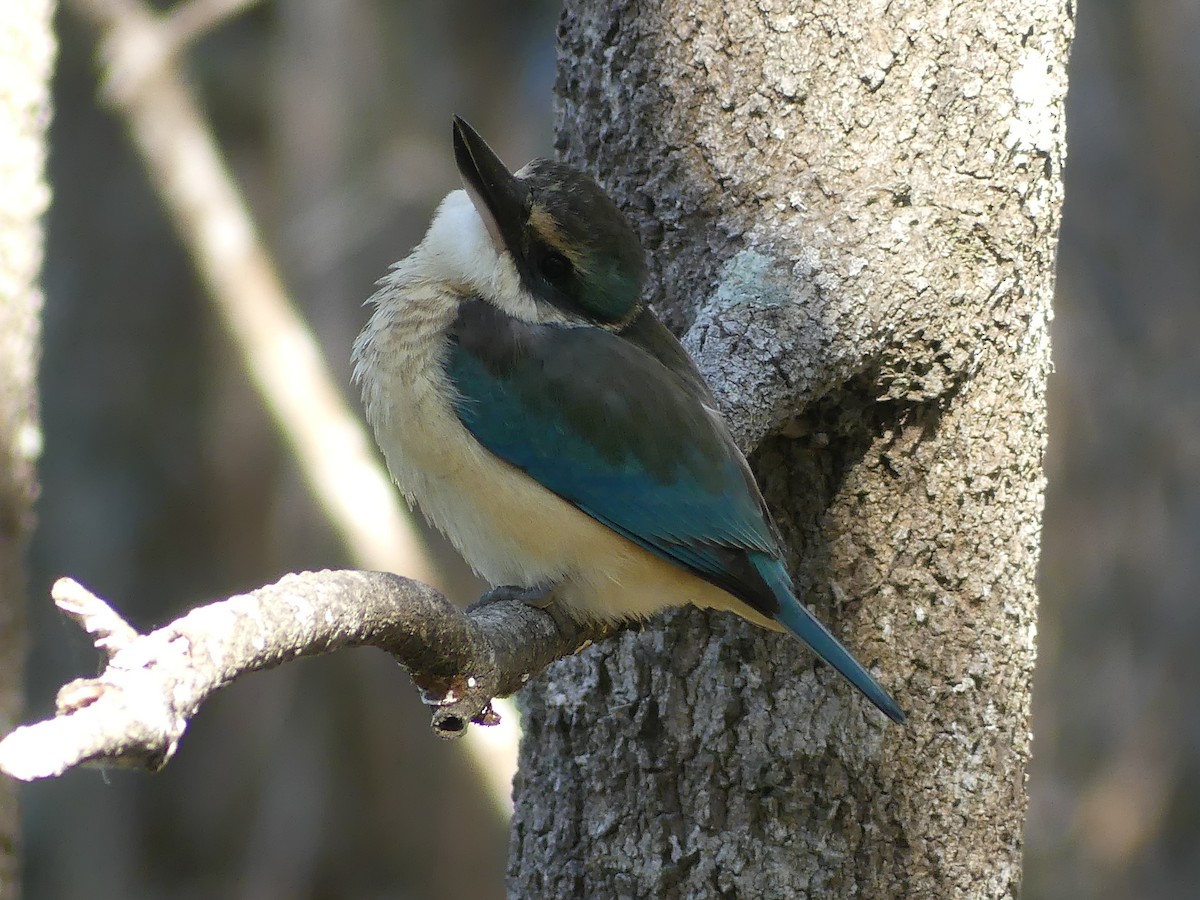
[[526, 398]]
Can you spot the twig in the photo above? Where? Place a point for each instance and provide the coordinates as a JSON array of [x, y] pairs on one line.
[[136, 711]]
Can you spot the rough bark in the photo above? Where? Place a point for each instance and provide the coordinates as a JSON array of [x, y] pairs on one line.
[[851, 212], [26, 53]]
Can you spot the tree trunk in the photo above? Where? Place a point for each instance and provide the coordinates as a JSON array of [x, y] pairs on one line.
[[27, 51], [851, 211]]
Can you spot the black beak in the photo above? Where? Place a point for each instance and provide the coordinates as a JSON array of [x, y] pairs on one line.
[[501, 200]]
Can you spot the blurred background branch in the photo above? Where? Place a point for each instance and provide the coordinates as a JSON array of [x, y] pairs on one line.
[[27, 50], [277, 348]]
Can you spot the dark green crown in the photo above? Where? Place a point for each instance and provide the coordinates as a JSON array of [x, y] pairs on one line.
[[571, 219], [573, 247]]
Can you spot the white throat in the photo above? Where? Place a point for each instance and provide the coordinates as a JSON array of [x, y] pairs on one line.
[[458, 250], [460, 253]]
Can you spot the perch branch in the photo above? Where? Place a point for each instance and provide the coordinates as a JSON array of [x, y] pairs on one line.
[[135, 712]]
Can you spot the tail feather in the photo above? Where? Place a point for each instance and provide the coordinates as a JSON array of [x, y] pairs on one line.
[[804, 625]]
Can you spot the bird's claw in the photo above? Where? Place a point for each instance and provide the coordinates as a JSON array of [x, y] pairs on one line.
[[539, 597]]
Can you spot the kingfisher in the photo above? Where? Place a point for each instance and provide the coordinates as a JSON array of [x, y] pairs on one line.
[[528, 400]]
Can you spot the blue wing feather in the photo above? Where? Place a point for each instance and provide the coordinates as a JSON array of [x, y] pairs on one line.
[[608, 428], [672, 511]]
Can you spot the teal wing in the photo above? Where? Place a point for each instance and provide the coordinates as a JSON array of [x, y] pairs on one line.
[[607, 426]]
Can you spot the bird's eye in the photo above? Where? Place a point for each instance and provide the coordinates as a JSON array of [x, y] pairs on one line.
[[555, 267]]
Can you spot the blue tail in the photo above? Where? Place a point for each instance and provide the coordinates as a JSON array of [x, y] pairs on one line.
[[800, 622]]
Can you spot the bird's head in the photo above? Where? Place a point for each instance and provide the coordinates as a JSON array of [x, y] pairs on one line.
[[574, 253]]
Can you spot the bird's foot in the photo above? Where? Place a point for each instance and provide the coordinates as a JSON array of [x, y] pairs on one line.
[[539, 597]]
